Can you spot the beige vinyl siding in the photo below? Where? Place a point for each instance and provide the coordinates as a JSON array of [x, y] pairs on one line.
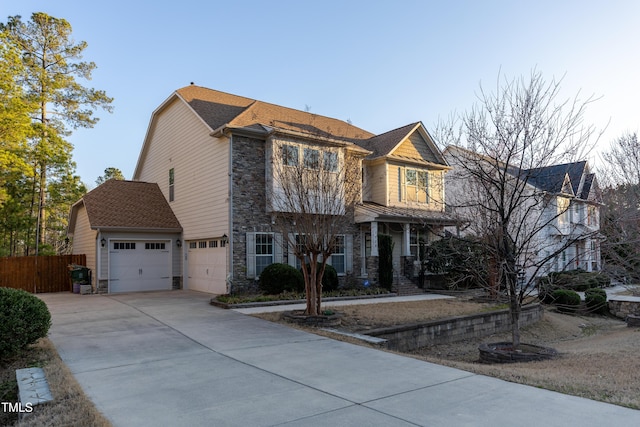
[[179, 140], [416, 147], [84, 239], [375, 184], [397, 183]]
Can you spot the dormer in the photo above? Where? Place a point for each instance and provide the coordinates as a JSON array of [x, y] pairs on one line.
[[405, 169]]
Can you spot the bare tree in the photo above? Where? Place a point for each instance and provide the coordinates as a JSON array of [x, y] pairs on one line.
[[621, 210], [502, 185], [312, 198]]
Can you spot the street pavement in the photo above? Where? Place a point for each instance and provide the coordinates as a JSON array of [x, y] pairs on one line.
[[172, 359]]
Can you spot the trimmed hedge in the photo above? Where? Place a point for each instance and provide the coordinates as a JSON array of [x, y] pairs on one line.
[[575, 280], [596, 300], [278, 278], [567, 301], [24, 318]]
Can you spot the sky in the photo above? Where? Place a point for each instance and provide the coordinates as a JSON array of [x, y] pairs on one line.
[[379, 64]]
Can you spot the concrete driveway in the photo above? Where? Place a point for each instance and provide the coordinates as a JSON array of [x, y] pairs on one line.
[[171, 359]]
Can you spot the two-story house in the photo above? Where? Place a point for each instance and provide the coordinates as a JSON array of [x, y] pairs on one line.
[[553, 210], [213, 156], [574, 215]]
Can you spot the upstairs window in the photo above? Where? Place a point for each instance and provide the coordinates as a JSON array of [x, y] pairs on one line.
[[592, 218], [290, 155], [416, 185], [330, 161], [311, 158]]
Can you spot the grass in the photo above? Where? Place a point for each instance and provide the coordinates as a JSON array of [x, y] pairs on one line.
[[598, 354], [70, 407]]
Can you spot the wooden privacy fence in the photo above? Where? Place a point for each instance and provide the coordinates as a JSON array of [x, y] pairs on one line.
[[38, 274]]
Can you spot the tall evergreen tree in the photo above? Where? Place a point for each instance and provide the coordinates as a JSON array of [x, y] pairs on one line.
[[52, 66]]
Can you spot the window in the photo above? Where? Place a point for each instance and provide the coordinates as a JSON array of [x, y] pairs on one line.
[[264, 251], [290, 155], [338, 258], [564, 213], [124, 245], [202, 244], [154, 246], [171, 187], [213, 243], [311, 158], [416, 185], [330, 161], [591, 216], [300, 242], [193, 245]]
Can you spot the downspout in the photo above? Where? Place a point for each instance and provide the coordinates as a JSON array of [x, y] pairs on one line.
[[98, 261], [230, 248]]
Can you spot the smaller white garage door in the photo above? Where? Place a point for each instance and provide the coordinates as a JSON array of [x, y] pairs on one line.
[[206, 266], [140, 265]]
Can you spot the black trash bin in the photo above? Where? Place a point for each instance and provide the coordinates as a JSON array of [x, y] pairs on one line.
[[80, 275]]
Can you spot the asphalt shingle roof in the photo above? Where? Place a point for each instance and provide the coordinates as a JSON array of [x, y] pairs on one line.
[[129, 204], [218, 108]]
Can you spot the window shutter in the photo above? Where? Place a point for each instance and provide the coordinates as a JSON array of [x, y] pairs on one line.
[[348, 248], [277, 248], [251, 255], [399, 184], [291, 258]]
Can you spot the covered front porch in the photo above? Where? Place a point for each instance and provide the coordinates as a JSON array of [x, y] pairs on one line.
[[411, 231]]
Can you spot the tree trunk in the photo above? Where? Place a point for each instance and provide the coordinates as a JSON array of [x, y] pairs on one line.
[[41, 205]]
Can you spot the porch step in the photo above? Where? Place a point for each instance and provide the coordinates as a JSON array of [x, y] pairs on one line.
[[405, 287]]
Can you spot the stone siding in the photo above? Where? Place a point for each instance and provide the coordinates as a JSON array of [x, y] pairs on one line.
[[249, 204], [624, 308], [443, 331], [250, 210]]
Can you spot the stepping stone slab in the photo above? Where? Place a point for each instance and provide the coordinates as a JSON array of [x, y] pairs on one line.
[[32, 386]]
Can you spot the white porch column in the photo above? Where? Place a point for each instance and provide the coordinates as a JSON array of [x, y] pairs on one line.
[[406, 240], [374, 239]]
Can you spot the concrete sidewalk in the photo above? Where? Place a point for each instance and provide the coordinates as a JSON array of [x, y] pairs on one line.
[[171, 359]]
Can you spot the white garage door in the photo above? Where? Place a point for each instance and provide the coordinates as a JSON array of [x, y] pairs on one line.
[[141, 265], [206, 266]]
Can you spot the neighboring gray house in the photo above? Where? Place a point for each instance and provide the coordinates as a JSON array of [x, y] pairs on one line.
[[210, 154], [560, 215]]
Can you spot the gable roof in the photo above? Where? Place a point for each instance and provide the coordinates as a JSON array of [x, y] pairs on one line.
[[219, 109], [124, 205], [568, 178], [415, 134], [553, 178]]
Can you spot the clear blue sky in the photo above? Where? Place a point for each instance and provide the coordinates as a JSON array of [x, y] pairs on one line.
[[380, 64]]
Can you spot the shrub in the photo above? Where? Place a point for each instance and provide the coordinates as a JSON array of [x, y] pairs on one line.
[[329, 278], [596, 300], [604, 281], [278, 278], [24, 318], [576, 280], [566, 300], [385, 261]]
